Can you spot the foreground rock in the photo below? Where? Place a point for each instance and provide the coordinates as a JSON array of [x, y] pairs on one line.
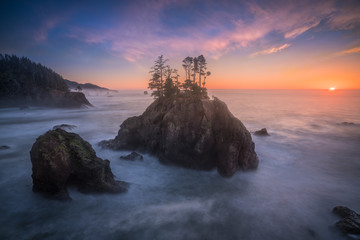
[[350, 222], [262, 132], [132, 157], [60, 159], [190, 132]]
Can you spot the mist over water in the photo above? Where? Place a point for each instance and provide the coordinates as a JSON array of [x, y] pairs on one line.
[[308, 165]]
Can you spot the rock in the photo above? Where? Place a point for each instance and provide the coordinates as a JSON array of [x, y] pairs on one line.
[[189, 132], [347, 124], [4, 147], [262, 132], [350, 222], [63, 99], [60, 159], [145, 92], [132, 157], [64, 127]]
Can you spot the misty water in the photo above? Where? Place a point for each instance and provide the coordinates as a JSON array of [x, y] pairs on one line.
[[309, 164]]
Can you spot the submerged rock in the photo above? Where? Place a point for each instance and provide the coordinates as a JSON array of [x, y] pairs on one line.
[[350, 222], [190, 132], [4, 147], [262, 132], [60, 159], [132, 157]]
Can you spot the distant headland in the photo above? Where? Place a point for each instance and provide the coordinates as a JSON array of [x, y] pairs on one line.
[[26, 83]]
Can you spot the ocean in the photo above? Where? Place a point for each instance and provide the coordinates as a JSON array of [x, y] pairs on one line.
[[309, 164]]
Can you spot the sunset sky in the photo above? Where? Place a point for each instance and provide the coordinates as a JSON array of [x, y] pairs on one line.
[[248, 44]]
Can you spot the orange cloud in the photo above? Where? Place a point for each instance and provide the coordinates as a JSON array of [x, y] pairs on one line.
[[351, 50], [271, 50]]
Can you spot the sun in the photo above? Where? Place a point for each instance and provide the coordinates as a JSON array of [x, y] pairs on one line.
[[332, 89]]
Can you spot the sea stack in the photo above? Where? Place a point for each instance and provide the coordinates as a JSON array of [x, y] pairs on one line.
[[60, 158], [191, 132]]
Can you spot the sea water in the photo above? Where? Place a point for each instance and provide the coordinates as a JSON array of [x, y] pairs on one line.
[[309, 164]]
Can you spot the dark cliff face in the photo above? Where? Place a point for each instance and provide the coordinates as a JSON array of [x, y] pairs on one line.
[[190, 132]]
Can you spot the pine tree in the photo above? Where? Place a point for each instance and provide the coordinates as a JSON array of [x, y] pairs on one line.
[[187, 65], [201, 67], [158, 76]]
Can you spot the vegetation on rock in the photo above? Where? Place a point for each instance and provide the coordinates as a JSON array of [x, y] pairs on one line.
[[60, 158], [165, 80]]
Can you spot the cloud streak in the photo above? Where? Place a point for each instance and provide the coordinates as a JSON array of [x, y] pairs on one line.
[[350, 51], [271, 50]]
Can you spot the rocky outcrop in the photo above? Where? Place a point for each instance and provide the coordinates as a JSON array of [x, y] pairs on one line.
[[60, 159], [132, 157], [61, 99], [262, 132], [190, 132], [350, 222], [4, 147]]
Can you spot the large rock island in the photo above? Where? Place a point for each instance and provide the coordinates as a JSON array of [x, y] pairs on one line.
[[25, 83], [192, 132], [60, 159]]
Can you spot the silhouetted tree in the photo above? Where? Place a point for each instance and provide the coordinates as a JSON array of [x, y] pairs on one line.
[[187, 65], [201, 67], [195, 69], [175, 77], [158, 75], [206, 75], [155, 85]]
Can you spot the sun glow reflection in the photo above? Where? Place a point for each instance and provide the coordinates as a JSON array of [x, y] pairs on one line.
[[332, 89]]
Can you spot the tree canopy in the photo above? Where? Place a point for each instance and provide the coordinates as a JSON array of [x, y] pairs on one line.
[[22, 77], [165, 81]]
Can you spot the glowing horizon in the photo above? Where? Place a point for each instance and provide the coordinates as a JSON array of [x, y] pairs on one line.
[[248, 45]]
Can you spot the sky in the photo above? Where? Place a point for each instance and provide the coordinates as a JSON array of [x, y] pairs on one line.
[[263, 44]]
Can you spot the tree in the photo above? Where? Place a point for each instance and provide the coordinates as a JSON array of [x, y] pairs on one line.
[[187, 65], [201, 67], [195, 69], [207, 74], [78, 88], [158, 75], [175, 76], [170, 89], [154, 83]]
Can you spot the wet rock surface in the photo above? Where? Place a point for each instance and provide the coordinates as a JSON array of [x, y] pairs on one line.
[[132, 157], [4, 147], [189, 132], [262, 132], [60, 159], [350, 222]]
